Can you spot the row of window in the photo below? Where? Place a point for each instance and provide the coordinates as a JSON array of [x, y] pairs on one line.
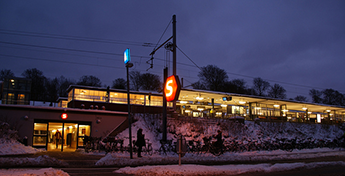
[[114, 97]]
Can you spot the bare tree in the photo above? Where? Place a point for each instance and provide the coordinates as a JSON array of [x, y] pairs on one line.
[[198, 85], [38, 80], [135, 80], [6, 74], [64, 83], [277, 91], [316, 95], [260, 86], [333, 97], [301, 98], [150, 81], [212, 77], [119, 83], [90, 81], [235, 86], [52, 86]]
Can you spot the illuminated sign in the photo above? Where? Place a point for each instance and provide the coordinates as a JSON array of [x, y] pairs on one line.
[[64, 115], [126, 56], [227, 98], [172, 88]]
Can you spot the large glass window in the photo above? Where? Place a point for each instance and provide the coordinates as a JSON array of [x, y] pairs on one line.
[[90, 95], [120, 98], [40, 135], [84, 130]]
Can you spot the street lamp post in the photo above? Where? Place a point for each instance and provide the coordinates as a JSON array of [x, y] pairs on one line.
[[127, 58], [129, 65]]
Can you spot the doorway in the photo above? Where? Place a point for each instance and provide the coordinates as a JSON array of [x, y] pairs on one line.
[[62, 136]]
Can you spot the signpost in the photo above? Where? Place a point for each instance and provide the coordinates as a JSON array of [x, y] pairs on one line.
[[172, 88]]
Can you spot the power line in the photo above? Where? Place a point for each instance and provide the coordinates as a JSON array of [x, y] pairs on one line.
[[76, 38], [281, 82], [67, 49], [188, 57], [59, 61]]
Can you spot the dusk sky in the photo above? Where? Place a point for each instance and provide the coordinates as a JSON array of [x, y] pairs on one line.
[[299, 44]]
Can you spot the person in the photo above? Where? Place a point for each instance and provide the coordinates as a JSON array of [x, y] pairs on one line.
[[219, 142], [140, 141], [57, 138]]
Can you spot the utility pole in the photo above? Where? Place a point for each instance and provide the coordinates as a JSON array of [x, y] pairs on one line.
[[174, 53]]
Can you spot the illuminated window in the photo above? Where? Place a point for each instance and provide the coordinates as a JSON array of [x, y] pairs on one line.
[[84, 130], [40, 134]]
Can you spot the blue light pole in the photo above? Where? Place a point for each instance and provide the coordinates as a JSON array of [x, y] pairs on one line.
[[127, 58]]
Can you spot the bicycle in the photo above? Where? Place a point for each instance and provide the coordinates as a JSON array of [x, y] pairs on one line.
[[166, 146], [148, 148]]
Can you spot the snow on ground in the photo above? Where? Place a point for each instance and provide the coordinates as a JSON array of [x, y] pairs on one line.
[[192, 164], [12, 147], [191, 169], [122, 159], [33, 172]]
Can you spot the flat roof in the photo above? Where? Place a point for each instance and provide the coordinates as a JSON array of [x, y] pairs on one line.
[[43, 108], [191, 94]]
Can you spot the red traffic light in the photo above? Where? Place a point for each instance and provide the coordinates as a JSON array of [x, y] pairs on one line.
[[172, 88]]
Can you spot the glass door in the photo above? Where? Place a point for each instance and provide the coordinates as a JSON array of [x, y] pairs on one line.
[[55, 136], [70, 136]]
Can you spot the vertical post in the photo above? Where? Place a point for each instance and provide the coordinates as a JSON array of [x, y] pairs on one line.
[[174, 52], [212, 114], [164, 125], [129, 117], [179, 150], [250, 111]]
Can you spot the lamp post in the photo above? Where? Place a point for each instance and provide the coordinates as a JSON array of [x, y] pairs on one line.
[[129, 65], [127, 58]]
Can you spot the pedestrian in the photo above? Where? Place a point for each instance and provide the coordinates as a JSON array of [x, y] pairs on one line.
[[57, 138], [219, 142], [140, 141]]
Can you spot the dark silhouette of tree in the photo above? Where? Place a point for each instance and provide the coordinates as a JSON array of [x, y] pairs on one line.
[[260, 86], [332, 97], [119, 83], [90, 81], [277, 91], [134, 78], [301, 98], [52, 86], [38, 89], [150, 81], [212, 77], [63, 84], [6, 74], [198, 85], [316, 95], [235, 86]]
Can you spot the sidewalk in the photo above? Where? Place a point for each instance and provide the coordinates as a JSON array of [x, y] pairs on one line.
[[80, 159]]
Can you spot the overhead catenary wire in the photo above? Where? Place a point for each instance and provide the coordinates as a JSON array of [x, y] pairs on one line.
[[76, 38], [119, 42]]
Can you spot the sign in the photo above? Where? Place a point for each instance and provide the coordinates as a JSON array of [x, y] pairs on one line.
[[64, 115], [172, 88], [126, 56]]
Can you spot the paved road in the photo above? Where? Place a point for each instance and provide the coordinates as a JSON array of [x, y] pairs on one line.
[[82, 164]]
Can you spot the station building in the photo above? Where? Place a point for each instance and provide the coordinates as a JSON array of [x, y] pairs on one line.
[[206, 104], [98, 112]]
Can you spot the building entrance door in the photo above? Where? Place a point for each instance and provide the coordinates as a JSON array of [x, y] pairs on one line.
[[62, 140], [55, 134], [70, 136]]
